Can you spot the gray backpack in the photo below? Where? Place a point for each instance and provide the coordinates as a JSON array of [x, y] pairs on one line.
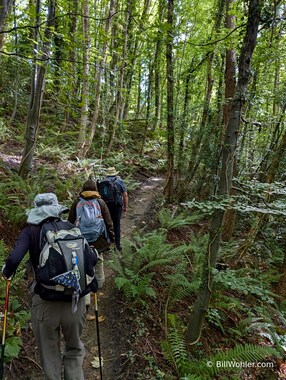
[[89, 219], [66, 264]]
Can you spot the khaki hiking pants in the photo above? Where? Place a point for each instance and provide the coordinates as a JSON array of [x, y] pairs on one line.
[[99, 274], [50, 321]]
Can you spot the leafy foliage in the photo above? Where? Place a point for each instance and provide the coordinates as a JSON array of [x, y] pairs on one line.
[[175, 350], [136, 269], [170, 221], [17, 319], [246, 285]]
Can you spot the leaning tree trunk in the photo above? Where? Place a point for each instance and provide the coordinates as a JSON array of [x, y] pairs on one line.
[[37, 91], [197, 318]]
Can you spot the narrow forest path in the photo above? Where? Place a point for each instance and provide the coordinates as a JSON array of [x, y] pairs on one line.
[[115, 332], [115, 329]]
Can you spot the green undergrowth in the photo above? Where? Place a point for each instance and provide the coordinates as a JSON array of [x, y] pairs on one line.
[[159, 275], [63, 176]]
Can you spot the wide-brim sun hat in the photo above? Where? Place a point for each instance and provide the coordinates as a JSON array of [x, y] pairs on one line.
[[46, 206], [111, 171]]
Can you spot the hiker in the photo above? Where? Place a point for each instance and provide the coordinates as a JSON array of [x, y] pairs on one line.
[[95, 224], [51, 310], [89, 192], [117, 203]]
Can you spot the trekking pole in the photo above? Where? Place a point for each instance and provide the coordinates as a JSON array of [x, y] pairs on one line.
[[4, 329], [97, 331]]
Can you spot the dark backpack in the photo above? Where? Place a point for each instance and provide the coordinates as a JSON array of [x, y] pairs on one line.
[[89, 219], [66, 264], [107, 190]]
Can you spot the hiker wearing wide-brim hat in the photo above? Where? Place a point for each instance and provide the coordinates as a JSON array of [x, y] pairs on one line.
[[50, 318], [46, 206], [116, 199], [111, 172]]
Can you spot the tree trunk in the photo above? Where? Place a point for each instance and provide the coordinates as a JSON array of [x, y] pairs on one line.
[[230, 83], [197, 318], [5, 9], [85, 82], [71, 89], [183, 127], [37, 90], [119, 95], [98, 80], [169, 185], [147, 122]]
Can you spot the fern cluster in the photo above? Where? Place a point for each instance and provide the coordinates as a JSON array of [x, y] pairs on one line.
[[228, 362], [142, 258]]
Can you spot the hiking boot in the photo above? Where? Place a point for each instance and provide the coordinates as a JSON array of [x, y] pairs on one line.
[[90, 317]]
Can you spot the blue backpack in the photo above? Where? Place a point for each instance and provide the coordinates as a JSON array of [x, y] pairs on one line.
[[89, 219]]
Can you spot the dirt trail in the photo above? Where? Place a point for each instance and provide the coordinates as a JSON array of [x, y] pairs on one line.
[[115, 330], [115, 334]]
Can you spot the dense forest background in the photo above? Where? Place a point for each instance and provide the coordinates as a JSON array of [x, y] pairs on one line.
[[193, 91]]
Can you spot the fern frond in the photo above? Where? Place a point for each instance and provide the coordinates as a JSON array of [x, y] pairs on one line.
[[169, 221], [181, 287], [174, 347], [248, 353]]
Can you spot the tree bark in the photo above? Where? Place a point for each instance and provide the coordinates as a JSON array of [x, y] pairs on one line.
[[197, 318], [98, 80], [5, 9], [119, 94], [37, 90], [169, 185], [230, 83], [85, 82]]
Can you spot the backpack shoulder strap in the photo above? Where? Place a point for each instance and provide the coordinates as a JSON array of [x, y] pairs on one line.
[[53, 225]]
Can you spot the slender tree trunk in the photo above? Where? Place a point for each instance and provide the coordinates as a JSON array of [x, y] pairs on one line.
[[36, 96], [197, 318], [183, 127], [72, 90], [169, 185], [139, 93], [5, 9], [148, 107], [16, 75], [119, 96], [230, 83], [85, 82], [195, 159], [133, 51], [98, 80]]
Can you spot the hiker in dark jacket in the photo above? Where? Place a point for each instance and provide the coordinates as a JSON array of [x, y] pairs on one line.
[[121, 203], [50, 319]]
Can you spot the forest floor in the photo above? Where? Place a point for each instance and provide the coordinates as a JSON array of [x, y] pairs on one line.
[[116, 325], [116, 328]]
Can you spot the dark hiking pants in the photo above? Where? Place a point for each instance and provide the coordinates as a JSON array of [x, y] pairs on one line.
[[115, 213]]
